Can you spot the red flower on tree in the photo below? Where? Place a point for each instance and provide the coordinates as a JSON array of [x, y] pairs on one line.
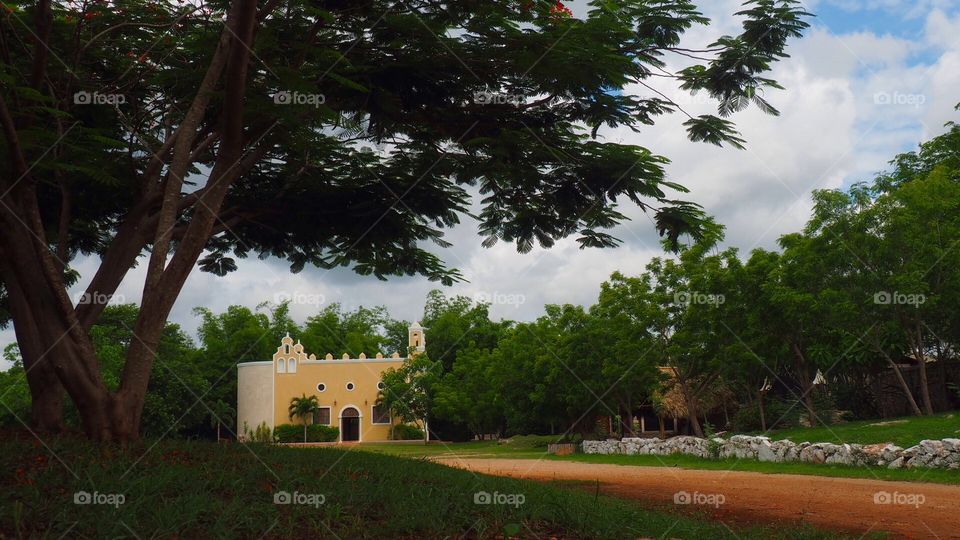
[[561, 10]]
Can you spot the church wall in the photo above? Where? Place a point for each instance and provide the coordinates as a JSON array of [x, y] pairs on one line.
[[254, 395]]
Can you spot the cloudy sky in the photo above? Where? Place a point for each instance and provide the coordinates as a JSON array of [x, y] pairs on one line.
[[870, 78]]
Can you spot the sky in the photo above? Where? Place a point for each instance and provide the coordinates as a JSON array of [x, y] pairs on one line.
[[869, 79]]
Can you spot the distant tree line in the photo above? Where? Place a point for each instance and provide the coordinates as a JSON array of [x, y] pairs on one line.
[[869, 286]]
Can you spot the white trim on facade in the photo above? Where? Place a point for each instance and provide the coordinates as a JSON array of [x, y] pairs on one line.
[[329, 408], [359, 423], [354, 361], [373, 418]]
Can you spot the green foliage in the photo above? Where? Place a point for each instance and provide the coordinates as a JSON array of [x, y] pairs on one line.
[[179, 487], [260, 434], [408, 390], [406, 432], [519, 442], [292, 433]]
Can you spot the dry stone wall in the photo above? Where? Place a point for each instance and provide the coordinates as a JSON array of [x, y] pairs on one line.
[[929, 453]]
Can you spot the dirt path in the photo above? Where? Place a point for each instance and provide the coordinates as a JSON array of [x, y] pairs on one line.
[[919, 510]]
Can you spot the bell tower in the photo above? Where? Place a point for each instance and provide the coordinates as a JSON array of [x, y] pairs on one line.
[[416, 339]]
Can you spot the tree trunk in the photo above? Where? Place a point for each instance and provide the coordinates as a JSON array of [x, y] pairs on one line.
[[663, 428], [806, 384], [921, 358], [925, 387], [903, 382], [692, 408], [628, 420], [763, 414]]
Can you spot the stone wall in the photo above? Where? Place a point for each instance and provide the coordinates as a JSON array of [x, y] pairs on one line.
[[929, 453]]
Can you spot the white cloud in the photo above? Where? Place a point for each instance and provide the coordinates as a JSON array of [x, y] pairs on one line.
[[832, 132]]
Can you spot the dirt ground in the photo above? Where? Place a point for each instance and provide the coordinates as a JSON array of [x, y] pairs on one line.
[[907, 509]]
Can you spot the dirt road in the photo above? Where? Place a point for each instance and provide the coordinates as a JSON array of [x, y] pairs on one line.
[[908, 509]]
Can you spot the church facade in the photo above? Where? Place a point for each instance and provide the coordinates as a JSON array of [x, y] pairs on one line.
[[346, 389]]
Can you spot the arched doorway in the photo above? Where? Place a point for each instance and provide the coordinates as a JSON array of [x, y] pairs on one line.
[[349, 424]]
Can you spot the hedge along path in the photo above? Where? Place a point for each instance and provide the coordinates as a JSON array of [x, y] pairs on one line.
[[907, 509]]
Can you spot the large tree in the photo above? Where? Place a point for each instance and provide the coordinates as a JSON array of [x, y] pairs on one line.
[[327, 133]]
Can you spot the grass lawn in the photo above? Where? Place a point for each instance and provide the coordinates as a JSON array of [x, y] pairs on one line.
[[904, 432], [204, 490], [938, 476], [490, 449], [477, 449]]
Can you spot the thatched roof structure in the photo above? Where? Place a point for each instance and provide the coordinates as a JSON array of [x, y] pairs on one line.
[[669, 401]]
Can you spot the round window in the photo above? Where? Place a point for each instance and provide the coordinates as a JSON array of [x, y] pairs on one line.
[[381, 386], [321, 387], [349, 386]]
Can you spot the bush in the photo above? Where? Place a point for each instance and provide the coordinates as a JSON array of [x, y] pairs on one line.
[[407, 432], [539, 441], [320, 433], [262, 433], [293, 433], [286, 433]]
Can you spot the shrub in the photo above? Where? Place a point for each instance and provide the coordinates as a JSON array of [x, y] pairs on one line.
[[262, 433], [539, 441], [287, 433], [293, 433], [320, 433], [407, 432]]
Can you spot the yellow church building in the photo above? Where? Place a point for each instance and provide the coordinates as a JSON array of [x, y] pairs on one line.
[[346, 388]]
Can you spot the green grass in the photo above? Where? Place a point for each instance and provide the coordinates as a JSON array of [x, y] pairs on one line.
[[487, 449], [465, 449], [938, 476], [904, 432], [194, 489]]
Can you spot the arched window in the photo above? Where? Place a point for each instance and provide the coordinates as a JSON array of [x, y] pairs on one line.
[[292, 365], [282, 366]]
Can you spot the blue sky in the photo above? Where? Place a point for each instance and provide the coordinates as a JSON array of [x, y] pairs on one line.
[[870, 79]]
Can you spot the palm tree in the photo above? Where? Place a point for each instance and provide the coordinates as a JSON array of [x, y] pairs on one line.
[[303, 407]]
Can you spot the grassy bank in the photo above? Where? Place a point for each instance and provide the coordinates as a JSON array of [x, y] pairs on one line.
[[193, 490], [904, 432], [487, 449], [938, 476]]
